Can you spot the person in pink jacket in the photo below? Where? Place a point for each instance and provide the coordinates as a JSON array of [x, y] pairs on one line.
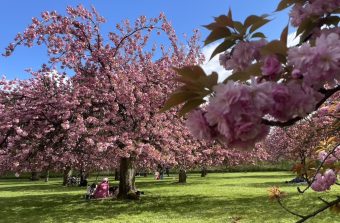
[[102, 190]]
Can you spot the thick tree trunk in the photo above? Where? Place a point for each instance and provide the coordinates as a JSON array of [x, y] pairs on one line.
[[126, 177], [67, 173], [203, 172], [182, 178], [47, 176], [34, 176], [116, 175]]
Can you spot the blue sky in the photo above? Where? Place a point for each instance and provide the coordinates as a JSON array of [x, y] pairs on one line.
[[185, 16]]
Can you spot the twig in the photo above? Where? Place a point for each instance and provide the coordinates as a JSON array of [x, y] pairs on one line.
[[289, 211], [323, 200], [330, 204], [130, 34]]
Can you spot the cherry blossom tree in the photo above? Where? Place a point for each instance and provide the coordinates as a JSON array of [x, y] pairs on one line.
[[111, 112]]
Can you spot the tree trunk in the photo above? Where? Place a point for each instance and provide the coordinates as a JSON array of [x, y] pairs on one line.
[[203, 172], [116, 175], [34, 176], [83, 178], [182, 176], [47, 176], [126, 177], [82, 175], [67, 174]]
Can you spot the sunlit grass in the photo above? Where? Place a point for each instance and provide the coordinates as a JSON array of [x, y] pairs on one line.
[[223, 197]]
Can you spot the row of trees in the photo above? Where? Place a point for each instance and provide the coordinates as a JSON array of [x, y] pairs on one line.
[[104, 116]]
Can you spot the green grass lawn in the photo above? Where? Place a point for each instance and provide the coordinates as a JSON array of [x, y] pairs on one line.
[[218, 198]]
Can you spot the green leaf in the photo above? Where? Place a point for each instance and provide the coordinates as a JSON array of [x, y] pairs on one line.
[[258, 35], [190, 105], [258, 24], [211, 80], [306, 28], [217, 34], [306, 24], [331, 20], [190, 72], [178, 98], [284, 4], [212, 26], [252, 70], [274, 47], [239, 27], [224, 20], [222, 47], [230, 16], [284, 35], [250, 20]]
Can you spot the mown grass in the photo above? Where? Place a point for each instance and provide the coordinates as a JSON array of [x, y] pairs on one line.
[[225, 197]]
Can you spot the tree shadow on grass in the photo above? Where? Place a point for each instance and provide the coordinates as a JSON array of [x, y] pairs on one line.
[[55, 187], [264, 184], [245, 176], [66, 207], [71, 208]]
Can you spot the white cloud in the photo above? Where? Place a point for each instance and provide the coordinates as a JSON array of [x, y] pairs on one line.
[[292, 40], [214, 64]]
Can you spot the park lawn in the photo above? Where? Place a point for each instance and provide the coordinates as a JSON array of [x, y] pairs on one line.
[[219, 197]]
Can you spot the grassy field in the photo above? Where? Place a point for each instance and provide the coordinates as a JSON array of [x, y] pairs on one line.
[[226, 197]]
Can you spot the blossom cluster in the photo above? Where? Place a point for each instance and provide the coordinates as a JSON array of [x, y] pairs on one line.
[[235, 113], [324, 181], [331, 158], [306, 9], [242, 56], [317, 65]]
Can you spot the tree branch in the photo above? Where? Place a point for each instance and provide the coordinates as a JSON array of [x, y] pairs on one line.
[[330, 204], [289, 211], [130, 34]]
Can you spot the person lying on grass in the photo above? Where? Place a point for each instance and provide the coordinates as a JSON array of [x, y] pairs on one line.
[[90, 191]]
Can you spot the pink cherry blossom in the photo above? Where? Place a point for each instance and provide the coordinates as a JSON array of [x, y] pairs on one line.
[[271, 66]]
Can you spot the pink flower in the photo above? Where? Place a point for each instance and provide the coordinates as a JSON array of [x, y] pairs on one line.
[[296, 74], [325, 181], [271, 66], [234, 114], [65, 125], [198, 125], [318, 65], [281, 108], [244, 53]]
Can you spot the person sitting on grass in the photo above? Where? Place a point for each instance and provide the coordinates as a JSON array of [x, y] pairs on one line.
[[90, 191], [102, 190], [113, 191]]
